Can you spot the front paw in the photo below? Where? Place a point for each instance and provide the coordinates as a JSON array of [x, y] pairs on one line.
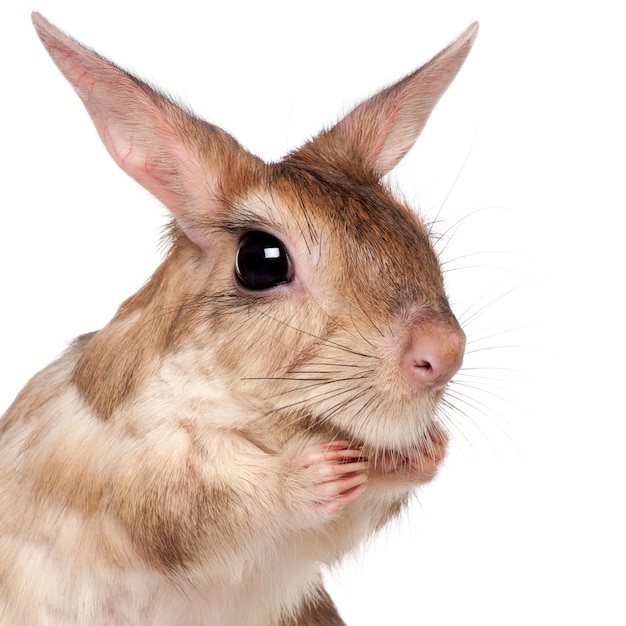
[[333, 474]]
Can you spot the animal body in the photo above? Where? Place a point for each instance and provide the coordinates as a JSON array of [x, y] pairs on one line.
[[269, 397]]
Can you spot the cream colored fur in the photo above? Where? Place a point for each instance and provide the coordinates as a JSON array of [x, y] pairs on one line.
[[203, 456]]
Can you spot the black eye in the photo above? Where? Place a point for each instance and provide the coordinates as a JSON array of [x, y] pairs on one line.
[[262, 261]]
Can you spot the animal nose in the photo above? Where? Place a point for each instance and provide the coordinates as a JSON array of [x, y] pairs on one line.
[[434, 354]]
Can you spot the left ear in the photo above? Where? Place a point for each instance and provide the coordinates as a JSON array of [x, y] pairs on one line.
[[180, 159], [381, 130]]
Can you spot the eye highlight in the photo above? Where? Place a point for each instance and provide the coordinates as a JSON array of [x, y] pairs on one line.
[[262, 261]]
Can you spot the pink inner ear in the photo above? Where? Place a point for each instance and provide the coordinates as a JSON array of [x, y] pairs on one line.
[[127, 150], [152, 139], [145, 144], [381, 130]]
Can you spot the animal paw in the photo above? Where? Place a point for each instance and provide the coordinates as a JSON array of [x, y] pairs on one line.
[[336, 472]]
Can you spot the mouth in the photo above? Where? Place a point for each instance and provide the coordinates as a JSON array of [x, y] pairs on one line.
[[412, 466], [411, 457]]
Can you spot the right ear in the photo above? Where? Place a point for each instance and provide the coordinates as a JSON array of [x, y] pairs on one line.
[[177, 157], [377, 133]]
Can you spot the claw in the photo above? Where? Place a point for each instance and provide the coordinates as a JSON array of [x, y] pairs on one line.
[[338, 471]]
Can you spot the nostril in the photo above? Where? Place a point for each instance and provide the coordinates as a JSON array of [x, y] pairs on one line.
[[425, 370], [434, 355]]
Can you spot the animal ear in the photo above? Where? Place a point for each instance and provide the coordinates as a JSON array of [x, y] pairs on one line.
[[381, 130], [177, 157]]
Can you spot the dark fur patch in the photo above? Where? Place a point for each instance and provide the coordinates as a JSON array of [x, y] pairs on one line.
[[320, 611]]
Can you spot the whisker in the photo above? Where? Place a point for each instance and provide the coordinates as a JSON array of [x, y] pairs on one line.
[[452, 422], [494, 419], [468, 316], [316, 399], [362, 395], [456, 180], [450, 233], [468, 255], [314, 383], [487, 392], [505, 347], [320, 339], [479, 380], [465, 369], [476, 337]]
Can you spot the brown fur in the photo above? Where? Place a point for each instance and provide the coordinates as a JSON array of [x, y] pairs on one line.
[[199, 458], [320, 611]]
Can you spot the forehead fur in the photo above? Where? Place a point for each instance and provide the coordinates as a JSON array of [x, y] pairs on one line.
[[376, 248]]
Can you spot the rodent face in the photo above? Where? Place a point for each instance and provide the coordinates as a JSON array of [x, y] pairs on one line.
[[354, 332], [332, 343]]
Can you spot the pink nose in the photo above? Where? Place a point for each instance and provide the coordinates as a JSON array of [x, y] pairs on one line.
[[434, 355]]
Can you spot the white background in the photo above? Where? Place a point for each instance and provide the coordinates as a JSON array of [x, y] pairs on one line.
[[526, 522]]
